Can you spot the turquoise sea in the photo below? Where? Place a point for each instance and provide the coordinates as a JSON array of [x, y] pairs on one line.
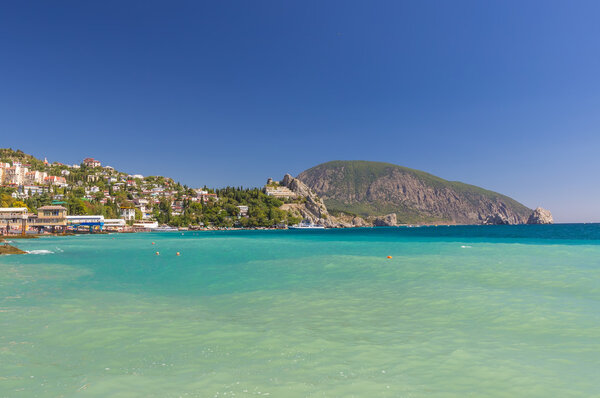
[[489, 311]]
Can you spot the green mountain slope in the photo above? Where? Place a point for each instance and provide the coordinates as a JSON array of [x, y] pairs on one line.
[[374, 188]]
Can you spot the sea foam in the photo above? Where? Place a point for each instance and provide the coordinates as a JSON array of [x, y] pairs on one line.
[[41, 251]]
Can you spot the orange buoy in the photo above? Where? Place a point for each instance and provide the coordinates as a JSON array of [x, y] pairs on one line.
[[178, 253], [157, 253], [389, 256]]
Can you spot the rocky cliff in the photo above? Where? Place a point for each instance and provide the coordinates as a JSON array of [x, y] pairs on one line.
[[313, 208], [373, 189]]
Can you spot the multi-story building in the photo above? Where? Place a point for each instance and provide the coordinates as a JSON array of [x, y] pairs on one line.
[[34, 177], [128, 212], [12, 218], [50, 217], [15, 174]]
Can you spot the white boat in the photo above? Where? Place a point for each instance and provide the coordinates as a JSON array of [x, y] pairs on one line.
[[165, 229], [306, 224]]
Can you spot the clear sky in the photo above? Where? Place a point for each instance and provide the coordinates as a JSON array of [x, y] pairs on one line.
[[500, 94]]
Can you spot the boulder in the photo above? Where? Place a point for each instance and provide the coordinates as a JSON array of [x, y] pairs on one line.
[[389, 220], [540, 216]]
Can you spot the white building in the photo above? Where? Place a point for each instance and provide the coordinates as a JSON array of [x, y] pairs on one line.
[[128, 213]]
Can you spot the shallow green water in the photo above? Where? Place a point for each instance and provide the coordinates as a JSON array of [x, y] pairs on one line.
[[457, 311]]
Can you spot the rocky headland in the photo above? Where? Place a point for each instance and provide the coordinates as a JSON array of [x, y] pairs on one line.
[[540, 216], [359, 194]]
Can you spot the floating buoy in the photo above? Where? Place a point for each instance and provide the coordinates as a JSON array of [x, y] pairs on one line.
[[389, 256], [152, 242], [178, 253], [157, 253]]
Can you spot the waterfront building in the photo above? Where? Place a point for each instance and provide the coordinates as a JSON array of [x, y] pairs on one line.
[[114, 224], [12, 218], [50, 217], [91, 222]]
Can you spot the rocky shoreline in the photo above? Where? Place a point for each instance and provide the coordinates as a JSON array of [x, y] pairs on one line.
[[5, 248]]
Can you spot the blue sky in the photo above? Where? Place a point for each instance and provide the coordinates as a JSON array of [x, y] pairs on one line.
[[500, 94]]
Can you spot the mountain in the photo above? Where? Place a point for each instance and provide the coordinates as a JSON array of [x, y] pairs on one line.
[[371, 189]]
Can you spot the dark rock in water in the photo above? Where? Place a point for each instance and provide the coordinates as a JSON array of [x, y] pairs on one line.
[[389, 220], [8, 249], [540, 216]]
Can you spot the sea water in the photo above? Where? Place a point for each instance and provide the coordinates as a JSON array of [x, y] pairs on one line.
[[490, 311]]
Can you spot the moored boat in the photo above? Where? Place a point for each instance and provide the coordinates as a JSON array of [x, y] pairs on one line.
[[306, 224], [165, 228]]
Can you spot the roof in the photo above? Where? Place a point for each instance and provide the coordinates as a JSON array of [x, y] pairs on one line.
[[12, 209], [52, 208]]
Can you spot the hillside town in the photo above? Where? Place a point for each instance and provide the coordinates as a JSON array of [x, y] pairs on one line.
[[38, 196]]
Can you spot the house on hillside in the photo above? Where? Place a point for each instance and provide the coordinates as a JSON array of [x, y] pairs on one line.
[[243, 211], [55, 180], [91, 162]]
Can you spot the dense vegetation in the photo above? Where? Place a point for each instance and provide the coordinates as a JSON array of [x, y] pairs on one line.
[[263, 210]]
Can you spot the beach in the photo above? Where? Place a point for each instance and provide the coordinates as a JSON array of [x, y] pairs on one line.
[[491, 311]]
